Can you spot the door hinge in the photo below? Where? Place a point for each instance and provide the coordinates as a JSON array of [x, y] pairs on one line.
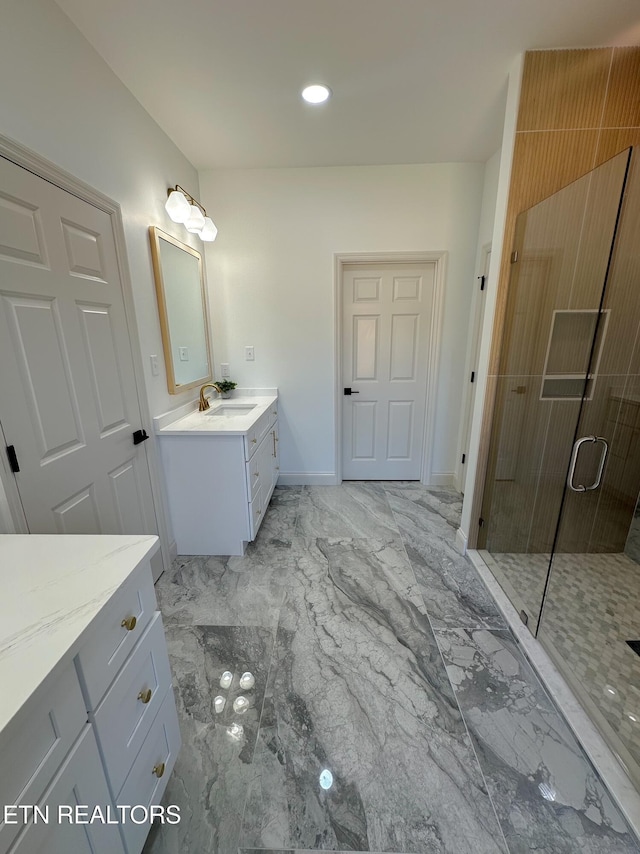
[[481, 522], [13, 459], [473, 376], [483, 280], [464, 457], [514, 256]]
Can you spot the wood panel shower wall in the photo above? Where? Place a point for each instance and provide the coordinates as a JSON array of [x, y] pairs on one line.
[[577, 109]]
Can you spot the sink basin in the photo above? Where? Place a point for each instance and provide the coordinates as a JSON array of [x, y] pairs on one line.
[[232, 410]]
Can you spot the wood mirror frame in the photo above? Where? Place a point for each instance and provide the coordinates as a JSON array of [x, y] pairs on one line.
[[182, 304]]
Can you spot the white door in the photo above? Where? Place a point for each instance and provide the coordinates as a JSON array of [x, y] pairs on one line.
[[387, 310], [68, 397]]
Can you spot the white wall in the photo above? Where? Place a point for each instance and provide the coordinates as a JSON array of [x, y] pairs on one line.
[[489, 199], [504, 179], [271, 275], [485, 233], [59, 99]]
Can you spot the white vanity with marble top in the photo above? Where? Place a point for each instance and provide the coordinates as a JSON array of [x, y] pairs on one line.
[[87, 712], [221, 467]]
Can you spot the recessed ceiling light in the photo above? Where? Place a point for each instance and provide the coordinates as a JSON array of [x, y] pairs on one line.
[[316, 94]]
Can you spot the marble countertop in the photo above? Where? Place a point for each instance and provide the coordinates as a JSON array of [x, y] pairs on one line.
[[53, 586], [194, 422]]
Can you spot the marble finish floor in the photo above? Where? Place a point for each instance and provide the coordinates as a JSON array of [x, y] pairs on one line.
[[591, 610], [379, 657]]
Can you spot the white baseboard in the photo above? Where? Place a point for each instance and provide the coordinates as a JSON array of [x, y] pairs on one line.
[[442, 478], [310, 478], [461, 541]]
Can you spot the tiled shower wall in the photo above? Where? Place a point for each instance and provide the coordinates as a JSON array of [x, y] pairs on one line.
[[578, 108]]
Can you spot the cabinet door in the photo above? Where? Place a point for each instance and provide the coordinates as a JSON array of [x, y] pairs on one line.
[[275, 459], [35, 745], [80, 781]]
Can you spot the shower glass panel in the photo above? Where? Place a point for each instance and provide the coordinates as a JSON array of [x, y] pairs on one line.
[[553, 343], [592, 604]]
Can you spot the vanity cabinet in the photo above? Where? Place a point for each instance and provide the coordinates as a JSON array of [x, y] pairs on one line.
[[219, 482], [262, 467], [94, 723]]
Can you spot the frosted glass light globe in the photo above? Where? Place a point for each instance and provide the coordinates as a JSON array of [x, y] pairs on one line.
[[177, 206], [209, 231], [195, 223]]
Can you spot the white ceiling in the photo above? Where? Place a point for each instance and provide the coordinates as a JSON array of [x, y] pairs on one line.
[[414, 81]]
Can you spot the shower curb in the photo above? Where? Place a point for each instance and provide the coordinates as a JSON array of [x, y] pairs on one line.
[[608, 765]]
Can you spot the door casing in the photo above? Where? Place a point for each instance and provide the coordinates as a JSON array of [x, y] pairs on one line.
[[11, 511], [440, 261]]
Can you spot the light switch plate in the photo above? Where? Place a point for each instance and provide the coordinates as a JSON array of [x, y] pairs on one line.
[[224, 370], [249, 354]]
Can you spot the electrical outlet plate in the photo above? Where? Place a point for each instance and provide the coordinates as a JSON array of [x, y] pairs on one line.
[[224, 370], [249, 354]]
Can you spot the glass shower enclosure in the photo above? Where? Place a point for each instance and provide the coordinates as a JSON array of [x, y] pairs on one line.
[[560, 520]]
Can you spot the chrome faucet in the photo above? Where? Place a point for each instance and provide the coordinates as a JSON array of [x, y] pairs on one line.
[[204, 402]]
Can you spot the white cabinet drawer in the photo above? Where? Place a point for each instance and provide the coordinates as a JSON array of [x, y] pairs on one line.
[[31, 756], [256, 435], [116, 633], [143, 785], [80, 781], [124, 717]]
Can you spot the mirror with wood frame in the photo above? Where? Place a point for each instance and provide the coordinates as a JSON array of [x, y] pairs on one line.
[[182, 303]]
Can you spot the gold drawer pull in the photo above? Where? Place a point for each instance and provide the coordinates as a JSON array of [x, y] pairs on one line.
[[253, 441], [129, 623], [259, 512], [257, 474], [145, 696], [158, 769]]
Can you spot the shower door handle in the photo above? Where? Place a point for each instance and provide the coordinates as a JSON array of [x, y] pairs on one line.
[[603, 459], [574, 459]]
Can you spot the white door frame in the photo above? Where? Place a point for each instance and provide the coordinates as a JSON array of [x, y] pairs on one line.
[[437, 316], [39, 166]]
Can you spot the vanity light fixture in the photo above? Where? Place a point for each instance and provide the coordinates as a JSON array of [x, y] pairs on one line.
[[317, 93], [182, 207]]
